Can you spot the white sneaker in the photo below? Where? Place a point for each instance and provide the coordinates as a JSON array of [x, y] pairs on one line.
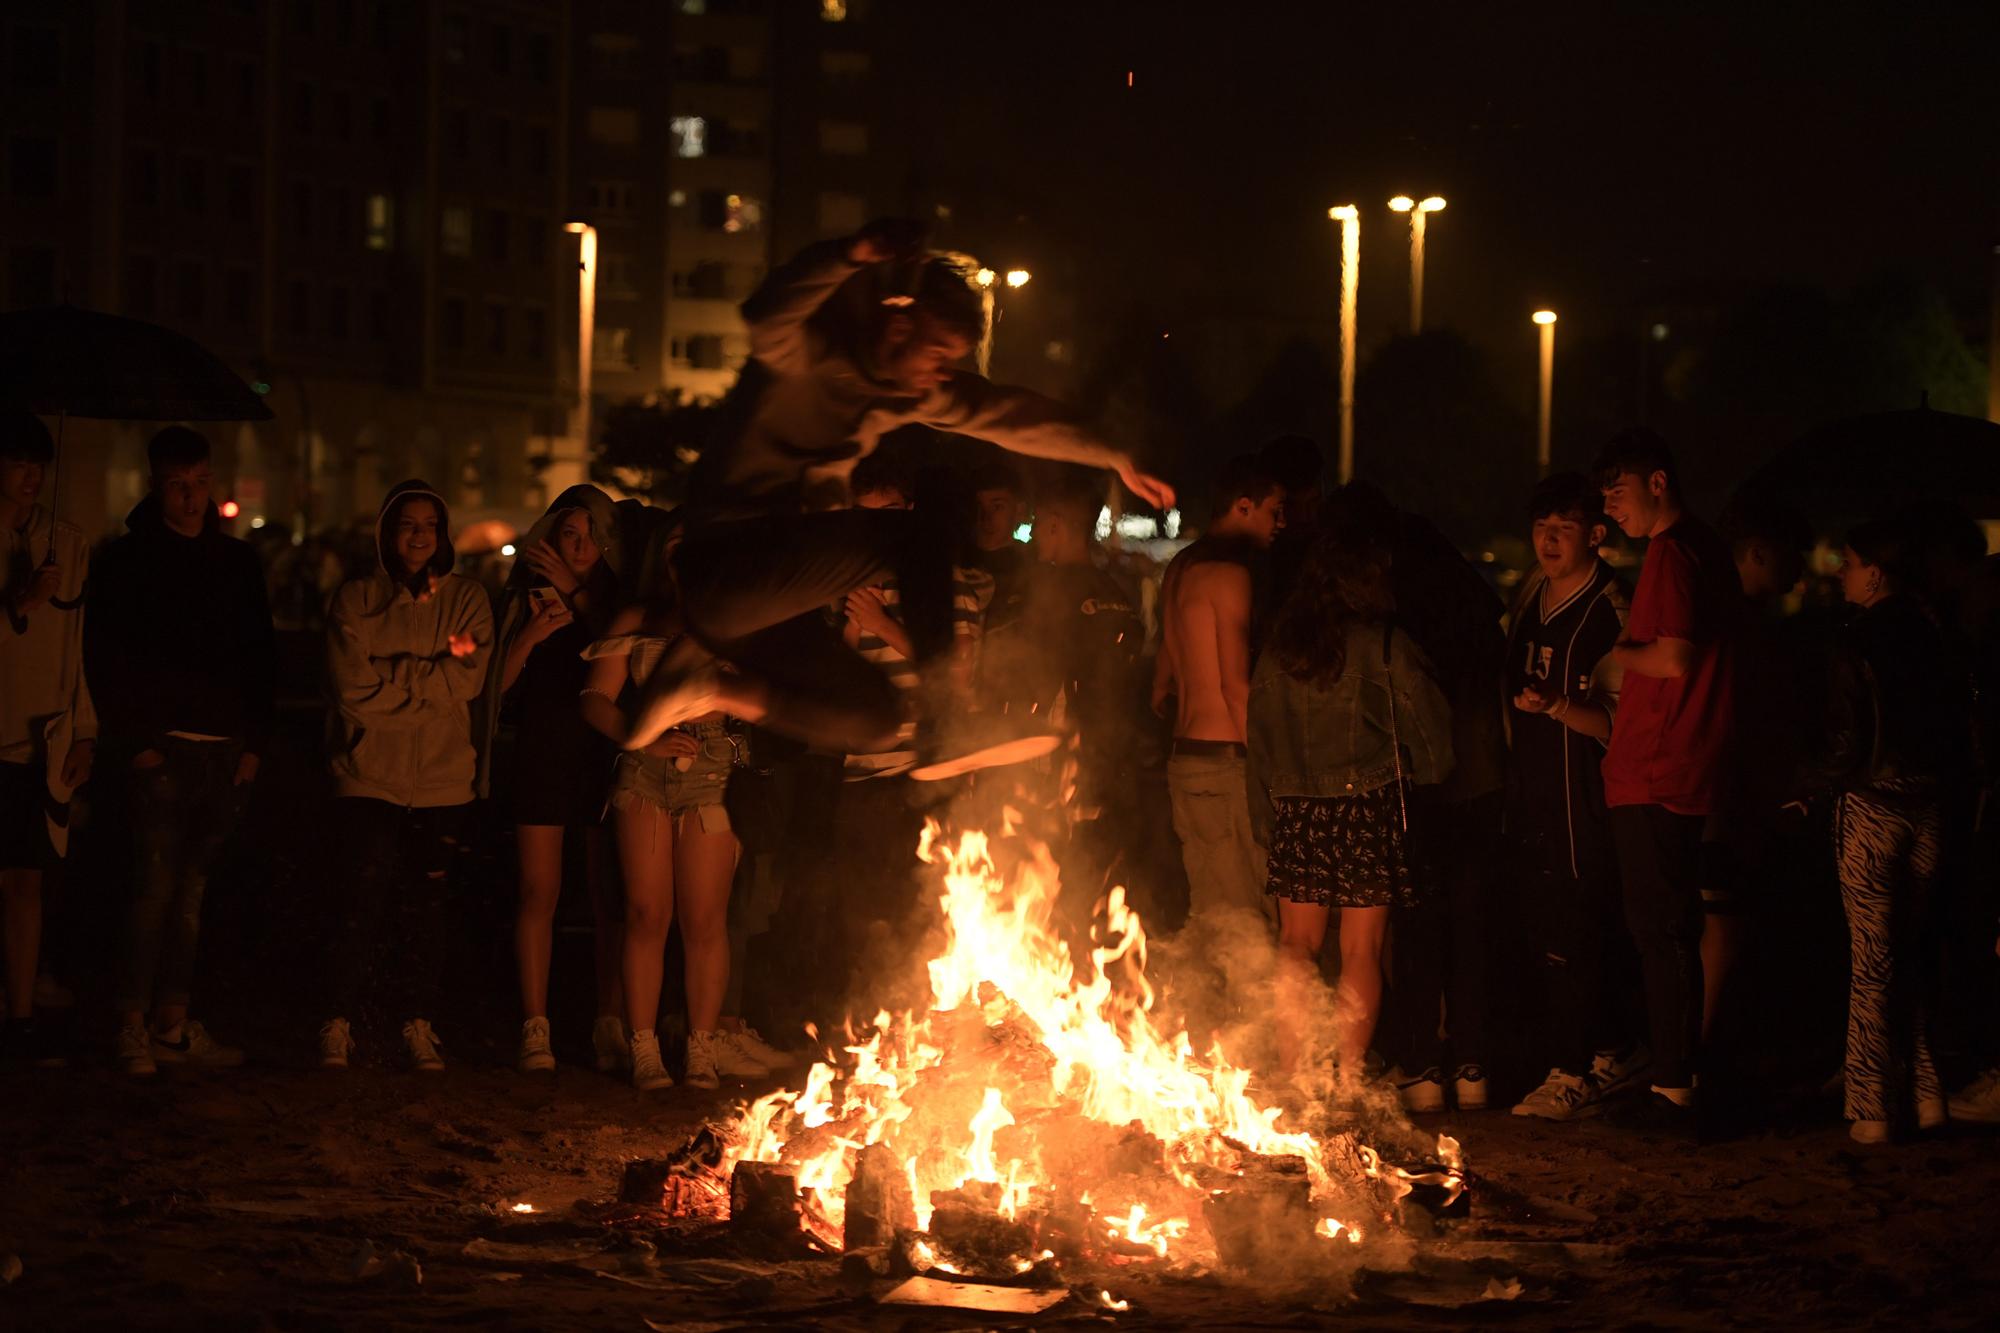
[[1562, 1097], [704, 1068], [748, 1045], [423, 1045], [649, 1072], [135, 1051], [535, 1056], [1424, 1092], [1468, 1085], [195, 1047], [336, 1043], [1978, 1102], [1614, 1073], [608, 1040]]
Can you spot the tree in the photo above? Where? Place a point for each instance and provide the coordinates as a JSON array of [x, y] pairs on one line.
[[649, 446]]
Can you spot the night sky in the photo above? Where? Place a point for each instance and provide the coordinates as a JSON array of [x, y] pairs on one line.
[[1596, 158]]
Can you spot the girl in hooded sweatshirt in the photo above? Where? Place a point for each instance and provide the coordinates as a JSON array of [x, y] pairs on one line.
[[561, 594], [676, 847], [406, 657]]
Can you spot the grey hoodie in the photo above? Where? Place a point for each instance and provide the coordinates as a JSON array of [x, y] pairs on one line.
[[402, 725]]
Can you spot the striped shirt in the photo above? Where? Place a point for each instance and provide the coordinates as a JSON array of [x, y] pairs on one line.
[[969, 588]]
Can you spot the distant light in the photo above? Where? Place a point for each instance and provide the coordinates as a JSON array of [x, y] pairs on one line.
[[1137, 527], [1166, 335], [257, 522], [1102, 528], [676, 198], [1660, 332], [576, 228], [1431, 205], [260, 386], [229, 509], [1173, 524], [985, 277], [833, 11], [1025, 533], [1402, 203], [1545, 317], [1344, 213], [1018, 277], [1128, 78], [508, 549]]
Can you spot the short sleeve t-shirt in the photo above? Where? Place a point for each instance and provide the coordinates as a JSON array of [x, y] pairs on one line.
[[1670, 739]]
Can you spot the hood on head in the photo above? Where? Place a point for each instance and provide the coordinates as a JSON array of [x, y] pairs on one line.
[[603, 530], [442, 560]]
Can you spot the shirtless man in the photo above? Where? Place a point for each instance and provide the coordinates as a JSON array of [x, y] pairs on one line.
[[851, 340], [1208, 605]]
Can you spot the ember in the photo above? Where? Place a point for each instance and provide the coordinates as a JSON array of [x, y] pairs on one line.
[[1041, 1108]]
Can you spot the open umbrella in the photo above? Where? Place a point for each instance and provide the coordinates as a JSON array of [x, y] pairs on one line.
[[1875, 465]]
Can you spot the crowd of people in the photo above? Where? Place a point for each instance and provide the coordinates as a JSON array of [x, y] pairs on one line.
[[1345, 727]]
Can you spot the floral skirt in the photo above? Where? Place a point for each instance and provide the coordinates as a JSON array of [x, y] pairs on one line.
[[1343, 851]]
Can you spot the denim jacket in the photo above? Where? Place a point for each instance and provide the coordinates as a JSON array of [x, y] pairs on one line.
[[1332, 737]]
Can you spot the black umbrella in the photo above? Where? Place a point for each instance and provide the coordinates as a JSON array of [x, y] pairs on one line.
[[1872, 466], [63, 361]]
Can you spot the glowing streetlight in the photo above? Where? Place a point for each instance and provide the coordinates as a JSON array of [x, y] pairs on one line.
[[1546, 320], [988, 282], [1418, 211], [586, 328], [1349, 218], [1018, 277]]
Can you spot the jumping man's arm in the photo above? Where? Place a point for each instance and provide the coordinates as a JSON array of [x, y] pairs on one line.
[[1023, 422], [778, 310]]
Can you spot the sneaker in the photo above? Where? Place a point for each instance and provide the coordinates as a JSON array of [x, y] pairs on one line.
[[613, 1049], [195, 1047], [1978, 1102], [135, 1051], [423, 1046], [748, 1044], [1869, 1131], [704, 1060], [1563, 1097], [1425, 1092], [535, 1056], [23, 1041], [1616, 1073], [1469, 1087], [336, 1043], [649, 1073], [684, 686]]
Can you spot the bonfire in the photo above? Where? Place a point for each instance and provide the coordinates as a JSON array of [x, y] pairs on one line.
[[1042, 1110]]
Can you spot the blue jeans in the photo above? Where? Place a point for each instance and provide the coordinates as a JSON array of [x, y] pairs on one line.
[[183, 812]]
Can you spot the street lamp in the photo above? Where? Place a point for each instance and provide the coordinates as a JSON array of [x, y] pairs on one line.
[[1546, 320], [1349, 218], [989, 282], [1418, 211], [586, 331]]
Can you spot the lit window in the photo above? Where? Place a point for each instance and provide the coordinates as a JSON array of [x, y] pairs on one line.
[[457, 230], [690, 135], [611, 349], [381, 222], [614, 125], [845, 137], [742, 213], [841, 214], [833, 11]]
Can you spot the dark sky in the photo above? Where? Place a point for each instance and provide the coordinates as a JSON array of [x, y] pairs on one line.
[[1596, 157]]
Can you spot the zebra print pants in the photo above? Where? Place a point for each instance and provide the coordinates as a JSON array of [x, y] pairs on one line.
[[1887, 843]]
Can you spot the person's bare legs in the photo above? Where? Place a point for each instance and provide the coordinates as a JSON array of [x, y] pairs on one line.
[[1301, 934], [21, 910], [540, 851], [608, 909], [705, 865], [1358, 996], [646, 851]]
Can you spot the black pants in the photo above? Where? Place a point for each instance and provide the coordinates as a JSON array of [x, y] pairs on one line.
[[1441, 945], [755, 590], [1578, 925], [1659, 859], [183, 811], [393, 942]]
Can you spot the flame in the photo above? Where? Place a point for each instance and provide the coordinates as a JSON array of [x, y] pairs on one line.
[[524, 1208], [1332, 1228], [1109, 1302], [1018, 1035]]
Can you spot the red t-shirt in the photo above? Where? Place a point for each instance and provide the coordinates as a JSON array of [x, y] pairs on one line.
[[1670, 737]]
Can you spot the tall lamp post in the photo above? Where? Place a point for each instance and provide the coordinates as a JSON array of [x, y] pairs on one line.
[[1349, 218], [586, 332], [989, 305], [1546, 321], [1418, 211]]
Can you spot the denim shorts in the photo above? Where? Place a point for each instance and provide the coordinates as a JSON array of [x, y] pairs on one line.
[[645, 779]]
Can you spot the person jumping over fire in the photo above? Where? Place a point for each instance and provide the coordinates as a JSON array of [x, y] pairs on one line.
[[851, 340]]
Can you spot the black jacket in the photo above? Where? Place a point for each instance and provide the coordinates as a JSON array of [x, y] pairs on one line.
[[1896, 710], [177, 635]]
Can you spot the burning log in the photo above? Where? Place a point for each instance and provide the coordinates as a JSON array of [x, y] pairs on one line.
[[1264, 1214], [764, 1206], [644, 1181], [879, 1202], [687, 1181], [967, 1226]]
